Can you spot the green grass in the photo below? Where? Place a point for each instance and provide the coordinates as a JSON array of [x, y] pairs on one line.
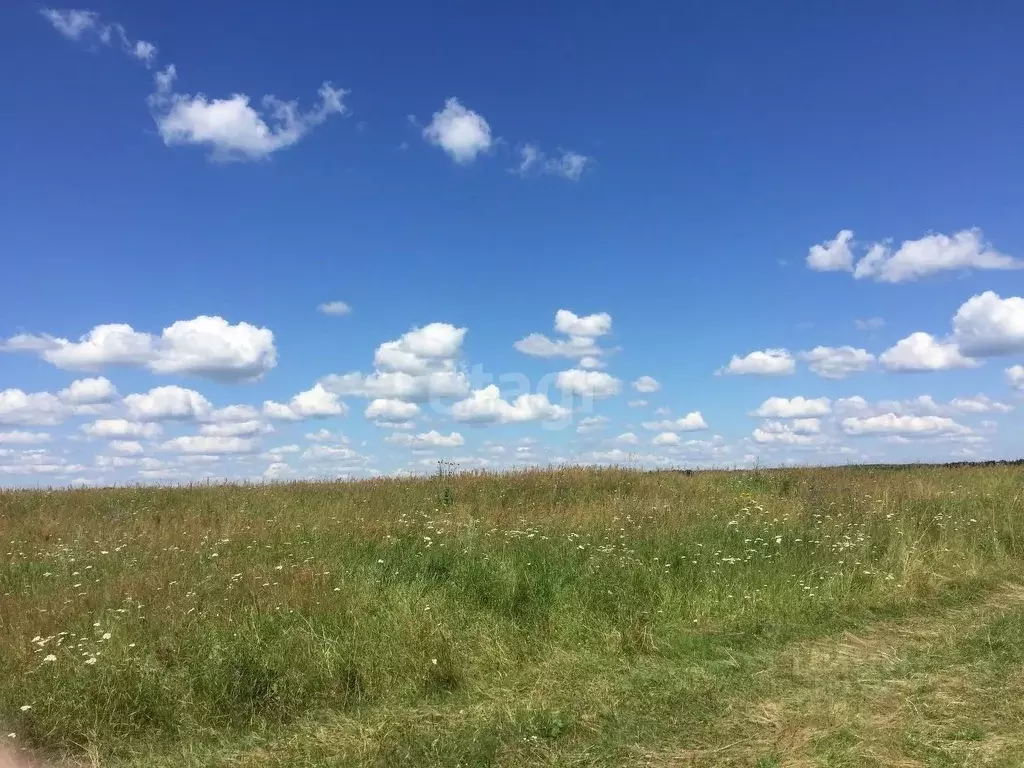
[[574, 617]]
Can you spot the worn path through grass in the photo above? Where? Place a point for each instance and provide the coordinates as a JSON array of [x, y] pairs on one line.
[[942, 689]]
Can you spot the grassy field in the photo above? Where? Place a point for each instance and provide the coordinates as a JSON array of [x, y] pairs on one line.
[[833, 617]]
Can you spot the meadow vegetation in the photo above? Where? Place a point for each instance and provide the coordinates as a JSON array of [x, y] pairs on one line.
[[578, 617]]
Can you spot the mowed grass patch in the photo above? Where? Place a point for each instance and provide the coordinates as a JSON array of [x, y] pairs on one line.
[[556, 617]]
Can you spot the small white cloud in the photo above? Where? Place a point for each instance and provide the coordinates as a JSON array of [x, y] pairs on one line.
[[278, 470], [838, 362], [144, 51], [978, 404], [71, 24], [592, 424], [923, 352], [794, 408], [571, 324], [326, 436], [460, 132], [170, 402], [579, 342], [231, 127], [646, 384], [688, 423], [335, 308], [234, 413], [122, 429], [1015, 377], [234, 429], [833, 255], [89, 392], [566, 164], [784, 436], [627, 438], [539, 345], [795, 426], [666, 438], [588, 383], [870, 324], [85, 25], [426, 440], [331, 453], [421, 350], [486, 406], [768, 362], [387, 411], [127, 447], [315, 403]]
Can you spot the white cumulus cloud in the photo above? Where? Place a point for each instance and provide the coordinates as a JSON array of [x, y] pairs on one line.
[[426, 440], [923, 352], [579, 342], [335, 308], [665, 438], [89, 391], [913, 260], [460, 132], [646, 384], [315, 403], [231, 127], [207, 444], [24, 438], [930, 254], [399, 385], [688, 423], [572, 324], [767, 362], [905, 426], [421, 350], [31, 408], [170, 402], [122, 429], [794, 408], [1015, 377], [127, 447], [234, 429], [987, 325], [387, 411], [486, 405], [204, 346], [591, 424], [837, 362], [832, 255], [588, 383]]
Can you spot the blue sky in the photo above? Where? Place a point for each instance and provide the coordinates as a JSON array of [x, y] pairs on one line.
[[456, 176]]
